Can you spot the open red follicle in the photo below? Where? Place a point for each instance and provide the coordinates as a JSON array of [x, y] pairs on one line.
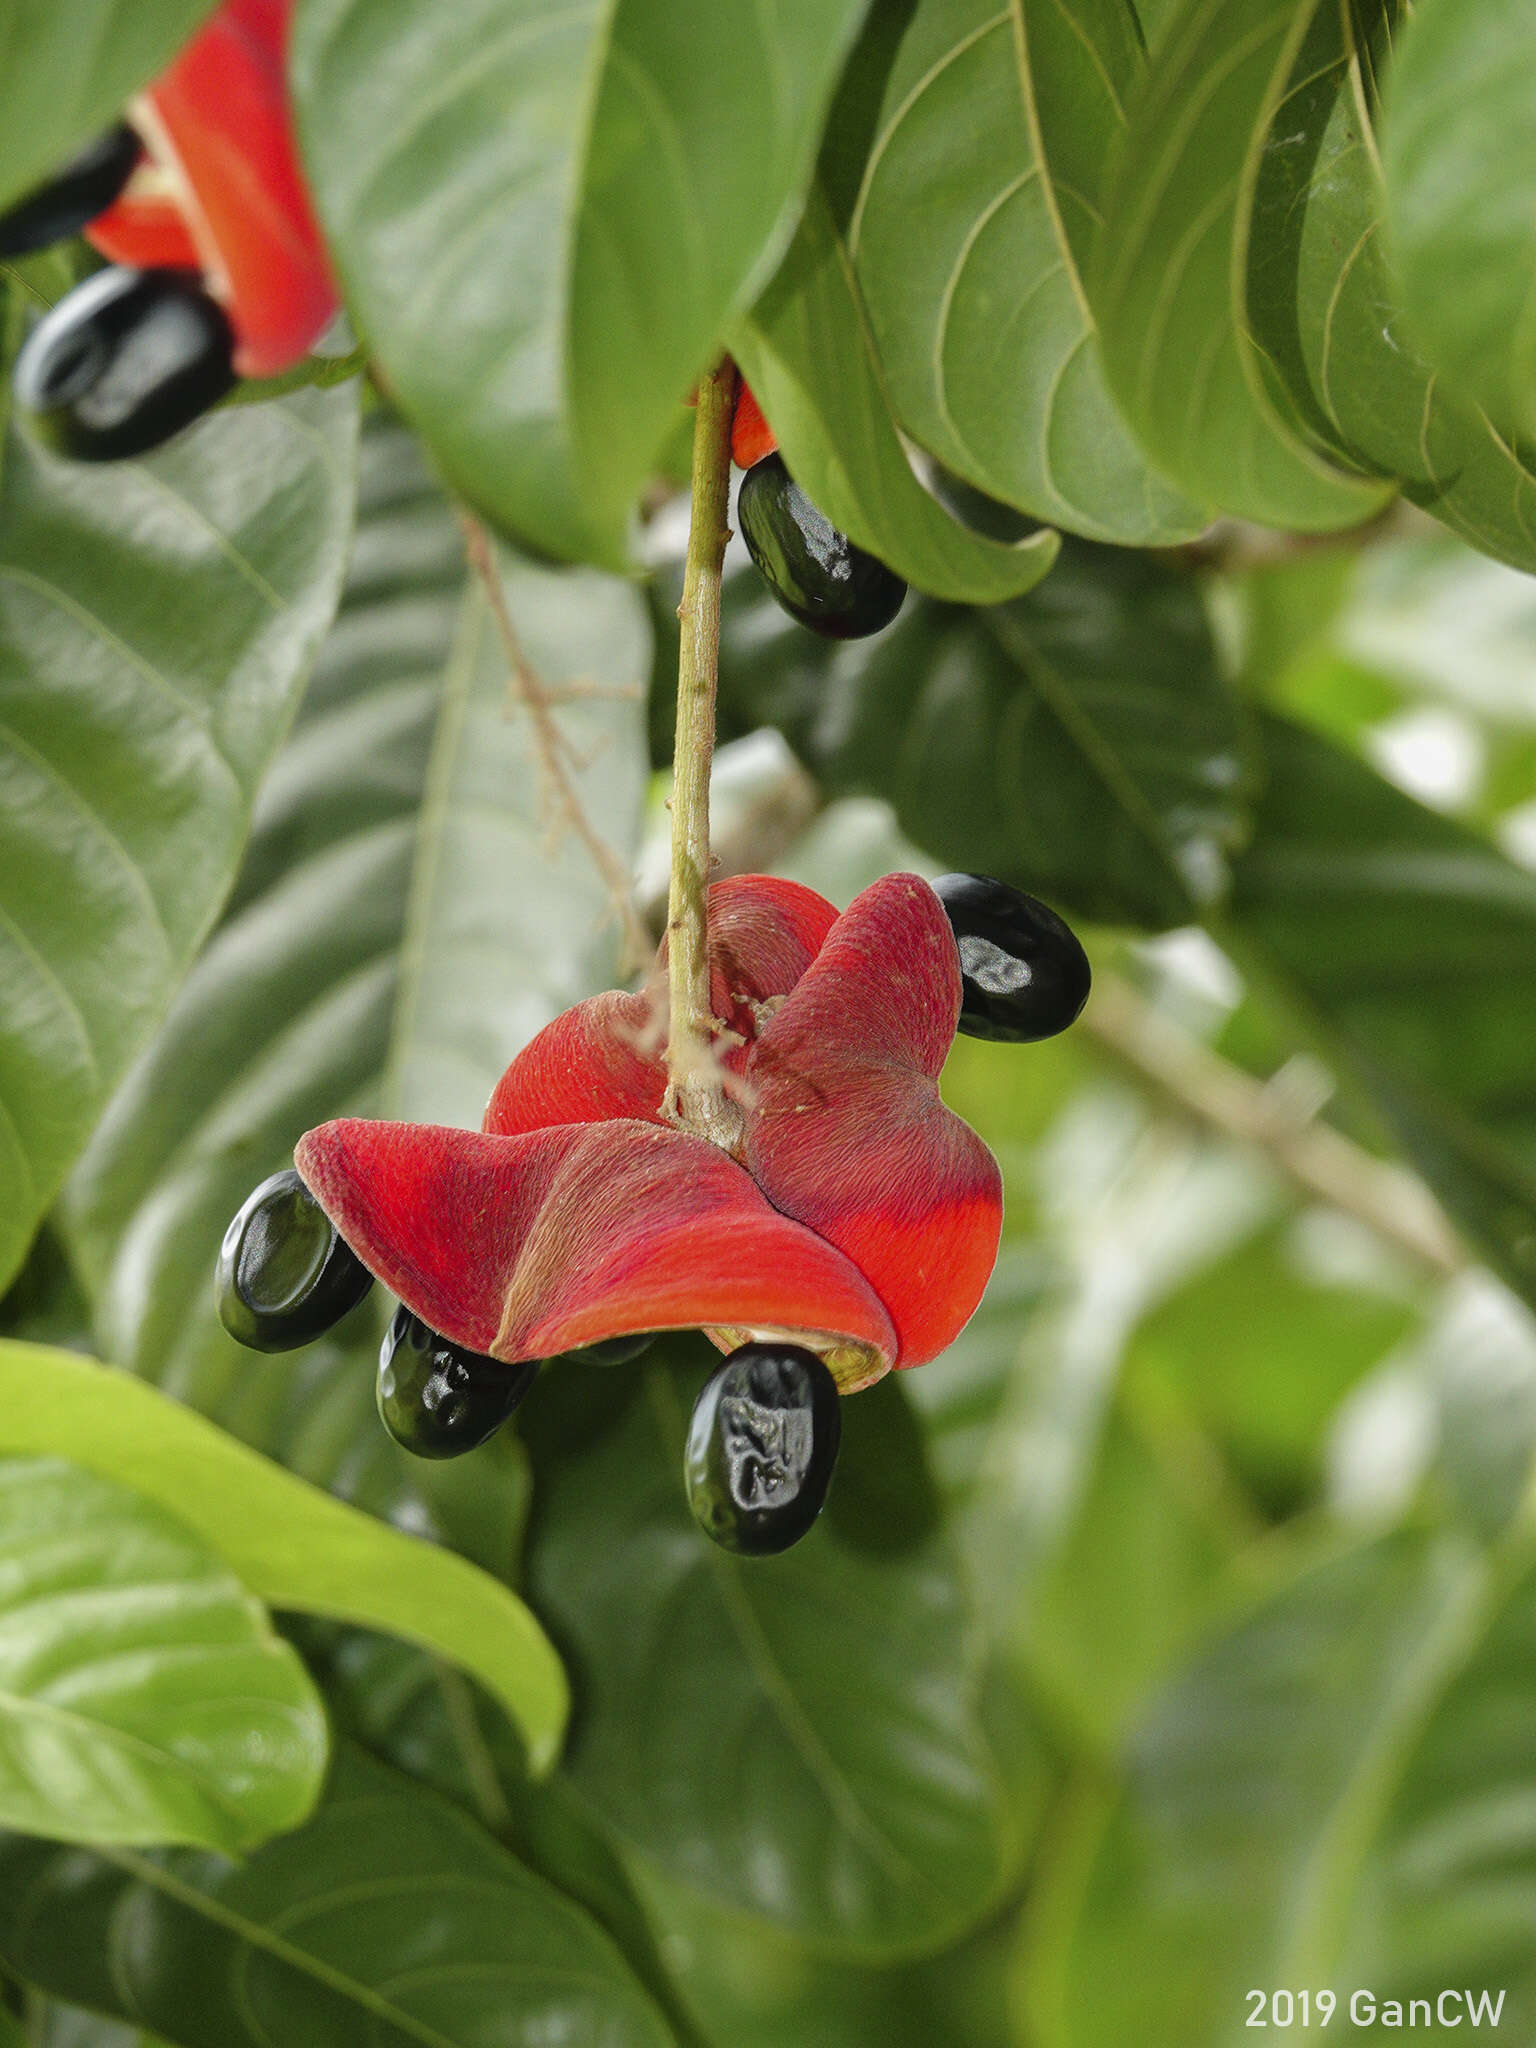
[[861, 1216], [221, 191]]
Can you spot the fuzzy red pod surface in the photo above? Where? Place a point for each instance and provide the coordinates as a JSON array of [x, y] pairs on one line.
[[859, 1215], [221, 191]]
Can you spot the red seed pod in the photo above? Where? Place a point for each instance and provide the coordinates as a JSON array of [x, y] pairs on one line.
[[751, 436], [218, 127], [859, 1217]]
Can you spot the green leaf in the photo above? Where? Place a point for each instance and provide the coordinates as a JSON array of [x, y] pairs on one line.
[[810, 358], [1334, 1794], [544, 217], [512, 918], [993, 128], [292, 1545], [1079, 742], [1460, 164], [797, 1737], [70, 65], [1171, 280], [143, 1696], [396, 934], [1333, 327], [158, 620], [1413, 947], [390, 1919]]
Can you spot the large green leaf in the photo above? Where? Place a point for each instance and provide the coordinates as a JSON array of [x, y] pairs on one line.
[[67, 68], [795, 1736], [292, 1545], [1332, 325], [143, 1695], [390, 1919], [1334, 1795], [1460, 167], [156, 624], [1079, 742], [545, 215], [993, 128], [808, 354], [396, 935], [1413, 947], [1171, 279]]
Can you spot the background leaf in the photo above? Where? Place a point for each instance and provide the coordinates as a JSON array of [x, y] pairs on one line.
[[292, 1545], [1079, 742], [807, 352], [1169, 285], [1344, 1712], [994, 128], [143, 1697], [794, 1737], [73, 64], [375, 959], [157, 621], [1460, 166], [391, 1917], [545, 216], [1409, 940]]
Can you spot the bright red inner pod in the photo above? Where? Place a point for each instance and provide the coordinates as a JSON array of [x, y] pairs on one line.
[[219, 120]]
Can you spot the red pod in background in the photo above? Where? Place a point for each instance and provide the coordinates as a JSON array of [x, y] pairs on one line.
[[223, 191], [751, 436]]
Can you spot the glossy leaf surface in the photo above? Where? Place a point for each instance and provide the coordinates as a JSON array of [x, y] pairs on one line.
[[1456, 126], [1170, 282], [717, 1734], [292, 1545], [808, 355], [545, 215], [144, 1697], [157, 621], [391, 1918], [994, 126]]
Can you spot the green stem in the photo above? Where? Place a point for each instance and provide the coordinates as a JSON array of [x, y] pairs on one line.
[[698, 1101]]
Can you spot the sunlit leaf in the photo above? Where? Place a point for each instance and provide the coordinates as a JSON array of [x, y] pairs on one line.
[[143, 1695]]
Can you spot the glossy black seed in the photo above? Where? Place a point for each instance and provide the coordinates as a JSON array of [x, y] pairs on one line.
[[1023, 974], [437, 1399], [815, 572], [284, 1275], [86, 186], [123, 362], [614, 1350], [761, 1448]]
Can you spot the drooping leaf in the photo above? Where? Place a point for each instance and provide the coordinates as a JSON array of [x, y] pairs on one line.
[[157, 621], [1170, 281], [1332, 324], [1460, 165], [993, 127], [391, 1918], [1079, 742], [545, 215], [795, 1736], [292, 1545], [1331, 1796], [143, 1695], [1413, 945], [70, 65], [808, 354]]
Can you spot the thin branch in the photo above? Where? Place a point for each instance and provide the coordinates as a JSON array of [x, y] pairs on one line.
[[562, 800], [1319, 1160], [697, 1097]]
